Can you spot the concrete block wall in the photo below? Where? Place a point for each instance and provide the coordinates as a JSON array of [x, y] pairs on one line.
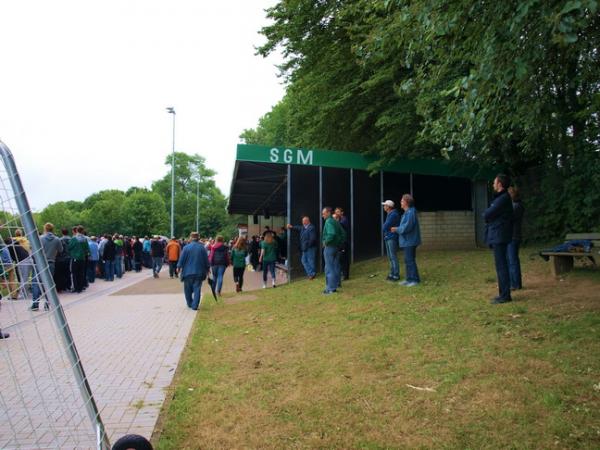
[[447, 229]]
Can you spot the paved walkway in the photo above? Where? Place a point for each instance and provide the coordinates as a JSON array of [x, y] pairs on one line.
[[129, 334], [129, 346]]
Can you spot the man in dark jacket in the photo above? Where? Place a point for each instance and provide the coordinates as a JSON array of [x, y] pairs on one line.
[[157, 250], [390, 238], [345, 248], [193, 267], [498, 234], [308, 245]]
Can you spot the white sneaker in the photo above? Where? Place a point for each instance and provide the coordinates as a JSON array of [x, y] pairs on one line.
[[264, 286]]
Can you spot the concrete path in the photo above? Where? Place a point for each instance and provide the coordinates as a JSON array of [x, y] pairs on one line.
[[129, 346]]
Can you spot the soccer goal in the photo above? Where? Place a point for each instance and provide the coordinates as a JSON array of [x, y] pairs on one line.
[[45, 398]]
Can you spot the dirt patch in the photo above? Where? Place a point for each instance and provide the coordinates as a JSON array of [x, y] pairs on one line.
[[153, 286]]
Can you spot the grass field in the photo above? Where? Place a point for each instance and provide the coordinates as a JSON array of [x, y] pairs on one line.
[[382, 366]]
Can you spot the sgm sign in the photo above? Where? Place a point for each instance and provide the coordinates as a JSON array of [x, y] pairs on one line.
[[289, 156]]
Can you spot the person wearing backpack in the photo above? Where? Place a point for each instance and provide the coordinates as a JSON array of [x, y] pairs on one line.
[[219, 260], [238, 257]]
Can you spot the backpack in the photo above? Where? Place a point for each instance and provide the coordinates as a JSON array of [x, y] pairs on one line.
[[220, 256]]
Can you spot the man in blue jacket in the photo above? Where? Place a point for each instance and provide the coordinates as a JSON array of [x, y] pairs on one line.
[[308, 245], [193, 267], [498, 234], [390, 239]]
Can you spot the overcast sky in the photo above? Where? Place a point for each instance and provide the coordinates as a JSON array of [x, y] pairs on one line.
[[84, 86]]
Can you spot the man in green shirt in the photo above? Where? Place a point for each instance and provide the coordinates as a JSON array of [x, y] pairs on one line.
[[333, 237]]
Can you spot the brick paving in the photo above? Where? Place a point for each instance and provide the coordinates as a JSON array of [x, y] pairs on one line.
[[129, 334]]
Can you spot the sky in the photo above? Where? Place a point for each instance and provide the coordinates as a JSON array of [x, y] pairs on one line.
[[84, 86]]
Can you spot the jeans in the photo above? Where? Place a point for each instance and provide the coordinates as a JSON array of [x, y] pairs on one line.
[[501, 260], [91, 270], [173, 269], [25, 270], [109, 270], [78, 271], [218, 272], [332, 269], [192, 286], [410, 261], [391, 248], [119, 266], [36, 288], [157, 262], [238, 276], [268, 266], [308, 261], [514, 264]]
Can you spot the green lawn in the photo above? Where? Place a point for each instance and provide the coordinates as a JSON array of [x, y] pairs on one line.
[[382, 366]]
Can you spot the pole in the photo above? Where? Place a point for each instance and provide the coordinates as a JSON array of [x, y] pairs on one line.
[[173, 180], [198, 204], [288, 233]]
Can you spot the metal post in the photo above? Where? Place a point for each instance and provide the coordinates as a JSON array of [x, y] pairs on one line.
[[381, 200], [352, 216], [198, 204], [320, 214], [289, 220], [44, 275], [171, 110]]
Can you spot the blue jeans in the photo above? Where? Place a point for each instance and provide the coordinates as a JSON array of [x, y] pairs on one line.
[[332, 268], [36, 288], [109, 270], [192, 286], [391, 248], [119, 266], [157, 263], [514, 264], [218, 272], [410, 261], [268, 266], [308, 261], [91, 270], [501, 260]]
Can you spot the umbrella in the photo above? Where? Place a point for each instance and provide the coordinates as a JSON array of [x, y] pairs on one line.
[[211, 283]]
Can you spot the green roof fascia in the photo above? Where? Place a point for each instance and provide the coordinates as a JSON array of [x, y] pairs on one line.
[[349, 160]]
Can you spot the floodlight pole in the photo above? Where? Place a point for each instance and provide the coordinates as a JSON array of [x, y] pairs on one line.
[[198, 203], [171, 110]]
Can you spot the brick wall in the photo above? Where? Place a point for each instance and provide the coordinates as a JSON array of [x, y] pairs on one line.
[[447, 229]]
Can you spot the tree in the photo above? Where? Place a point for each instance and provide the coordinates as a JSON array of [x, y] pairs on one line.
[[143, 213], [189, 169], [61, 215]]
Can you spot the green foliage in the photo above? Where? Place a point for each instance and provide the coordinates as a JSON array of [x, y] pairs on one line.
[[140, 211], [513, 84]]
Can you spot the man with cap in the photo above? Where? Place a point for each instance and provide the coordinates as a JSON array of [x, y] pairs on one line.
[[390, 238]]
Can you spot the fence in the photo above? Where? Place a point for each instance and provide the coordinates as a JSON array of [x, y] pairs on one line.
[[45, 398]]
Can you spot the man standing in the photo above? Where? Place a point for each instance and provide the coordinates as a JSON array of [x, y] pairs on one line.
[[345, 248], [158, 254], [194, 266], [52, 246], [173, 252], [390, 239], [333, 237], [93, 260], [498, 234], [63, 264], [79, 251], [308, 245]]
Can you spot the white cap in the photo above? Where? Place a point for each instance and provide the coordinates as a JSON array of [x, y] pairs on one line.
[[389, 203]]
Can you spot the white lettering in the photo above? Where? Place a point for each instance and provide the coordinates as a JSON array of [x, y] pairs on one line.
[[287, 156], [308, 159], [274, 155]]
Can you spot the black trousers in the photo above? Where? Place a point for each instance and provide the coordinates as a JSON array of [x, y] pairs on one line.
[[78, 270], [238, 275], [345, 261], [172, 268], [62, 275]]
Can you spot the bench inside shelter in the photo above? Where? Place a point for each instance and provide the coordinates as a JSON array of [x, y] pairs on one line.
[[561, 262]]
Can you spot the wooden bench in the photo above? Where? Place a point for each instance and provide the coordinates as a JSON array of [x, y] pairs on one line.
[[561, 262]]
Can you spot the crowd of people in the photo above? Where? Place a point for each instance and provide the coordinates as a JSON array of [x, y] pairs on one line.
[[76, 260]]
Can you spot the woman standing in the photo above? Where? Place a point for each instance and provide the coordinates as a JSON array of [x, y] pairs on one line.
[[219, 260], [238, 257], [514, 263], [138, 250], [268, 257], [409, 238]]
